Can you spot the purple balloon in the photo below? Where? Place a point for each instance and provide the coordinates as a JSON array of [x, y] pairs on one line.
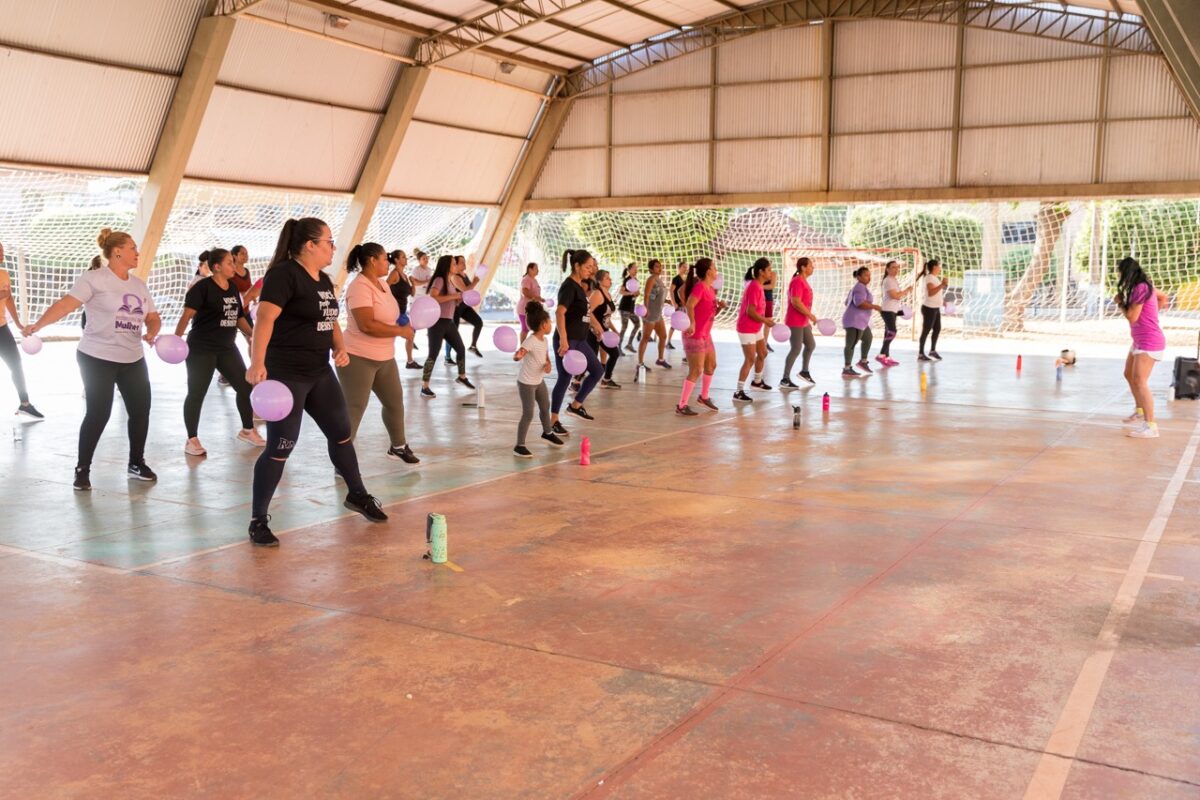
[[481, 271], [424, 313], [271, 400], [575, 362], [948, 309], [632, 285], [905, 312], [32, 345], [680, 321], [610, 339], [827, 327], [718, 283], [505, 339], [640, 310], [549, 302], [171, 349], [471, 297], [780, 333]]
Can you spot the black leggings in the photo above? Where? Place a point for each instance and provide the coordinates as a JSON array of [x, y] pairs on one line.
[[10, 356], [99, 378], [465, 312], [200, 366], [613, 354], [444, 330], [931, 319], [322, 398], [889, 331]]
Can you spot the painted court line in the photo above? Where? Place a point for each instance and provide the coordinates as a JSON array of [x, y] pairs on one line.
[[1050, 777]]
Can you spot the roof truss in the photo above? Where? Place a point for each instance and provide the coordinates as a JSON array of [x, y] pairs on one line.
[[499, 23]]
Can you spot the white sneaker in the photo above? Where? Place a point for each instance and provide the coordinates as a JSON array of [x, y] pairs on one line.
[[194, 448], [1147, 431], [1135, 418], [250, 436]]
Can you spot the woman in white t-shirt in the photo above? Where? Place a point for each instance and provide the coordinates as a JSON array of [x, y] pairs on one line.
[[421, 276], [118, 306], [370, 339], [8, 345], [892, 295], [931, 307]]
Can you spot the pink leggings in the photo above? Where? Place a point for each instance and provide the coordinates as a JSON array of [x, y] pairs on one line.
[[524, 329]]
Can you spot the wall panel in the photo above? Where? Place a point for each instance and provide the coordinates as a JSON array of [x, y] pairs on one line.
[[772, 165], [661, 117], [1142, 86], [574, 173], [887, 161], [1152, 150], [773, 109], [889, 45], [663, 169], [1027, 93], [1028, 155], [773, 55], [688, 71], [587, 123], [894, 102], [460, 100], [439, 163], [998, 47]]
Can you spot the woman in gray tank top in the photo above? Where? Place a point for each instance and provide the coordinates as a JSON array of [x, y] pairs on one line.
[[655, 293]]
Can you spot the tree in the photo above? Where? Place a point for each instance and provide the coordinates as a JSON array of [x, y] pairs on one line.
[[617, 238], [1049, 221]]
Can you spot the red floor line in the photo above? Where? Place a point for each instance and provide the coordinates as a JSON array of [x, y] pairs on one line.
[[627, 768]]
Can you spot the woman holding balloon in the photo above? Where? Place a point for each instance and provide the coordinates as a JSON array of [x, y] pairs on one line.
[[799, 318], [214, 308], [701, 309], [655, 295], [465, 311], [402, 289], [8, 345], [118, 306], [603, 337], [892, 295], [296, 328], [627, 304], [573, 320], [443, 328]]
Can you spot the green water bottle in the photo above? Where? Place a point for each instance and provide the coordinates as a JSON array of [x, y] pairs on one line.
[[435, 537]]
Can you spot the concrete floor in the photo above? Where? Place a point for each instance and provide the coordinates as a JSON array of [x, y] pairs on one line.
[[915, 597]]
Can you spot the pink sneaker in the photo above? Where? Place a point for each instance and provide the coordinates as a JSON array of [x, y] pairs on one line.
[[882, 359], [891, 362]]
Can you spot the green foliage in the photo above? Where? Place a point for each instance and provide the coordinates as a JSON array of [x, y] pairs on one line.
[[616, 238], [829, 220], [68, 238], [1017, 260], [953, 237], [1163, 235]]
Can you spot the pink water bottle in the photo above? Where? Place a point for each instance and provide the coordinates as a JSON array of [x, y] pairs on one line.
[[825, 403], [585, 451]]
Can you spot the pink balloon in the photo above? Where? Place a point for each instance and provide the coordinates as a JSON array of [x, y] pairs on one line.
[[271, 400], [171, 349], [680, 321], [905, 312], [575, 362], [32, 345], [780, 333], [610, 339], [481, 271], [424, 313], [718, 283], [471, 297], [549, 302], [505, 339], [632, 285], [948, 309], [640, 310], [827, 327]]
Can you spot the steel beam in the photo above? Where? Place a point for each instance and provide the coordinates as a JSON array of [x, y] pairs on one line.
[[491, 26], [1175, 25]]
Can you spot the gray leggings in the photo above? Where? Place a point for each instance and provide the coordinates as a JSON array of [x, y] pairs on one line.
[[359, 379], [531, 393], [801, 337], [853, 337]]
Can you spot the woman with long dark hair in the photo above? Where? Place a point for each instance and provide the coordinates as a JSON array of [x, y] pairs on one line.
[[294, 333], [654, 296], [402, 289], [799, 318], [444, 290], [751, 321], [603, 307], [1140, 302], [464, 312], [931, 307], [8, 345], [573, 319], [892, 295], [214, 308], [856, 320], [702, 306], [627, 305], [110, 356]]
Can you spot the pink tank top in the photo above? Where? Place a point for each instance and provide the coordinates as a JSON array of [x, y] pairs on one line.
[[705, 310]]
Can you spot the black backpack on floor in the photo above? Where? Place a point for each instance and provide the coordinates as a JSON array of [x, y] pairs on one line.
[[1187, 376]]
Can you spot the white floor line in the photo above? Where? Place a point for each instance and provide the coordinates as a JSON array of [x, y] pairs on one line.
[[1156, 575], [1050, 777]]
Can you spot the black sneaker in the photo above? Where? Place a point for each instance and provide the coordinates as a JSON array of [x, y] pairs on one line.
[[222, 380], [579, 411], [27, 410], [670, 346], [464, 381], [786, 383], [848, 372], [685, 411], [629, 348], [663, 364], [924, 357], [475, 350], [558, 429], [141, 472], [933, 354], [761, 385], [450, 362], [708, 403], [366, 505], [404, 454], [770, 349], [805, 376], [552, 439], [740, 396], [609, 383], [427, 392], [260, 534], [521, 451], [413, 365], [643, 367], [83, 479]]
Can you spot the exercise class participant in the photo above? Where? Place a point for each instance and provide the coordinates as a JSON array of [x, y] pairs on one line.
[[752, 318], [294, 332], [1140, 301], [626, 306], [603, 307], [422, 274], [534, 355], [677, 298], [931, 307], [118, 306], [573, 320], [402, 289], [464, 311], [443, 290], [799, 318], [892, 295], [214, 308], [654, 295], [856, 319], [702, 306], [8, 345]]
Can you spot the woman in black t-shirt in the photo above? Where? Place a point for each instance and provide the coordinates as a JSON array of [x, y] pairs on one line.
[[296, 327], [573, 320], [677, 298], [627, 306], [402, 289], [214, 307]]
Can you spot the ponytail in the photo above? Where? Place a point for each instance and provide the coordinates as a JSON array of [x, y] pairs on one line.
[[697, 273], [801, 263], [928, 268], [757, 269], [292, 237], [575, 258]]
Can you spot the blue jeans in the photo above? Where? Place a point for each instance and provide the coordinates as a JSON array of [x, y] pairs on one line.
[[594, 370]]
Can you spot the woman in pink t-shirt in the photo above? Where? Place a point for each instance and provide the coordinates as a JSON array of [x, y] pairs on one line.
[[702, 306], [799, 318], [370, 339], [751, 321], [1140, 301], [530, 290]]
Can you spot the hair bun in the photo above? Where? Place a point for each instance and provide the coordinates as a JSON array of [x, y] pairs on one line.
[[103, 237]]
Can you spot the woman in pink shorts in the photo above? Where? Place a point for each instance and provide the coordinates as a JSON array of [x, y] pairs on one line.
[[1140, 301], [753, 323], [702, 307]]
